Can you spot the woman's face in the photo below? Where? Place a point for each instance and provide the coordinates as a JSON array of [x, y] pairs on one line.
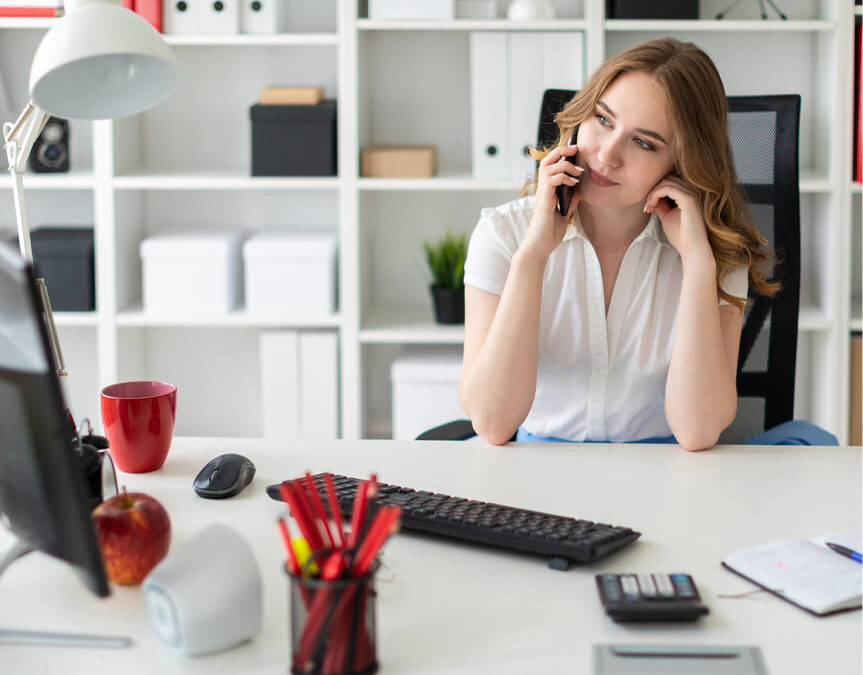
[[624, 146]]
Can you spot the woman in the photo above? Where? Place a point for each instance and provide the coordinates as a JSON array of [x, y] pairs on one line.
[[619, 321]]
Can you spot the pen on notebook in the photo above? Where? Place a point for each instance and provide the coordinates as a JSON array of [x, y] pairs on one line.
[[847, 552]]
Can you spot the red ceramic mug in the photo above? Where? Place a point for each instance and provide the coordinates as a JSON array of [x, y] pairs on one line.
[[138, 418]]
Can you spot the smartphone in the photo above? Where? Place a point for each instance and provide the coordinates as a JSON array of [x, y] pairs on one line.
[[565, 192]]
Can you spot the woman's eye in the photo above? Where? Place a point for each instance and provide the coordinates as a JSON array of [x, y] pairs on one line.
[[603, 120], [641, 143]]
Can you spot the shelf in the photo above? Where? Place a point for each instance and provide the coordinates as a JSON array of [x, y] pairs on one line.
[[812, 318], [814, 182], [221, 181], [810, 183], [473, 24], [136, 317], [27, 22], [445, 183], [408, 326], [249, 40], [416, 326], [76, 319], [724, 26], [73, 180]]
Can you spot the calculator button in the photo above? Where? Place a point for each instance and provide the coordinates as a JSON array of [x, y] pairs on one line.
[[683, 584], [629, 584], [664, 585], [648, 587]]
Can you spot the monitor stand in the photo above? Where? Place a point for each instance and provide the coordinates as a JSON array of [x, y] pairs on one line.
[[30, 637]]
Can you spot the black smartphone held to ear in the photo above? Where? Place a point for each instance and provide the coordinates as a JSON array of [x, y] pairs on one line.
[[565, 192]]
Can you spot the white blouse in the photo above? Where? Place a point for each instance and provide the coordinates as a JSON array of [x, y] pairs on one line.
[[599, 377]]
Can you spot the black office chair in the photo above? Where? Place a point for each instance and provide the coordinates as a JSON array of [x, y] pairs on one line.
[[764, 137]]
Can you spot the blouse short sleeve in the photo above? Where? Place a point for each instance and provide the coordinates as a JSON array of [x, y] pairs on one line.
[[489, 255], [736, 283]]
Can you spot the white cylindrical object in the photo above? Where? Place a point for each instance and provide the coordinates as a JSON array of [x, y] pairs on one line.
[[206, 596]]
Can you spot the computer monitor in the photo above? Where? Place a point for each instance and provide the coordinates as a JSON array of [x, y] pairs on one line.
[[43, 498]]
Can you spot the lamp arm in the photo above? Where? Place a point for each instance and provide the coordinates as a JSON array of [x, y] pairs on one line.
[[19, 137]]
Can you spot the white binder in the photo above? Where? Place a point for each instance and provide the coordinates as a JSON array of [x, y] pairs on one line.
[[319, 385], [537, 61], [218, 16], [262, 17], [178, 16], [279, 355], [489, 91]]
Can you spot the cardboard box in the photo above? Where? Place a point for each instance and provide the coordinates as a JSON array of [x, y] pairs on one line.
[[291, 274], [855, 436], [425, 391], [192, 273], [398, 161], [291, 95]]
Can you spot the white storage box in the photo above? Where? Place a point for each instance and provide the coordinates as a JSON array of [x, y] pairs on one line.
[[425, 391], [193, 272], [291, 274], [434, 10]]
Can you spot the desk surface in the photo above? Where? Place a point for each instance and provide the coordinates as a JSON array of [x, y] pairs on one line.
[[455, 608]]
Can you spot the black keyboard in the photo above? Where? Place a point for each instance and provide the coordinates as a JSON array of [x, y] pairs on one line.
[[560, 538]]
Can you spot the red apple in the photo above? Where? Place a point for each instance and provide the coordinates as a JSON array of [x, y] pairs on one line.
[[134, 534]]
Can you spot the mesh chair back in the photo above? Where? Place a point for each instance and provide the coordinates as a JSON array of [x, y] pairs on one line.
[[764, 138]]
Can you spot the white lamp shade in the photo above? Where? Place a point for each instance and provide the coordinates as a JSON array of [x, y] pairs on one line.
[[101, 61]]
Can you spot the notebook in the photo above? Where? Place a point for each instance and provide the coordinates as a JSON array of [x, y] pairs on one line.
[[805, 572]]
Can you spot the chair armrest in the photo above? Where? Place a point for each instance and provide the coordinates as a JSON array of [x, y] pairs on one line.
[[458, 430]]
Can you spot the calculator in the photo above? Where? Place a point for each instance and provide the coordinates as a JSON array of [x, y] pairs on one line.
[[650, 597]]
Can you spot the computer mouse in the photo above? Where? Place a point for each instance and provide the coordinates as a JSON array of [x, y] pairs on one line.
[[224, 476]]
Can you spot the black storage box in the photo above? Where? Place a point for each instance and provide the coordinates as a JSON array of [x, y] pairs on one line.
[[651, 9], [294, 140], [63, 257]]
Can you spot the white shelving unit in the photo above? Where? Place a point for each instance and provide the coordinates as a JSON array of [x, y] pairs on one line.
[[186, 164]]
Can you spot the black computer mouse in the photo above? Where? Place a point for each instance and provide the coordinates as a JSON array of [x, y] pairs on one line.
[[224, 476]]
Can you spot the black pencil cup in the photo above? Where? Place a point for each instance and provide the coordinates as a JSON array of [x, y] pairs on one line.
[[333, 625]]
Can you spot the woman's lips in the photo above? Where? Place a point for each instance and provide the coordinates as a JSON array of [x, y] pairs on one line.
[[599, 180]]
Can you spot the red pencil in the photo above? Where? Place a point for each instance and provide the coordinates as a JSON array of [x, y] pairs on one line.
[[335, 510], [358, 514], [318, 505], [385, 523]]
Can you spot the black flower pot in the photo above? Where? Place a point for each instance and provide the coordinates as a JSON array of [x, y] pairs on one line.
[[448, 304]]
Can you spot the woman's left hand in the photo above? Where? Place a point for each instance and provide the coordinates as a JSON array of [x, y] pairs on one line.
[[683, 224]]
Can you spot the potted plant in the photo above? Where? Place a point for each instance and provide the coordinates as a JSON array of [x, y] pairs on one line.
[[445, 258]]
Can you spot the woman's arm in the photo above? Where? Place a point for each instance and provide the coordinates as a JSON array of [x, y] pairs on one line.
[[701, 388], [498, 380]]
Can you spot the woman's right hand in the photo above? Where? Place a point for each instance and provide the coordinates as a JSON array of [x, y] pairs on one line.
[[547, 225]]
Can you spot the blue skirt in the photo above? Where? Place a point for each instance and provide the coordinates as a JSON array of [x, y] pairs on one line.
[[793, 432]]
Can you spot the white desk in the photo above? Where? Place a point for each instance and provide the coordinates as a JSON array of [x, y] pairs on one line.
[[455, 608]]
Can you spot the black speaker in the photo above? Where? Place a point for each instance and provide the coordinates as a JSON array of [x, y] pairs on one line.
[[50, 153]]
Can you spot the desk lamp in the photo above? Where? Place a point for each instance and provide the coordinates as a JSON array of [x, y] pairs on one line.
[[98, 61]]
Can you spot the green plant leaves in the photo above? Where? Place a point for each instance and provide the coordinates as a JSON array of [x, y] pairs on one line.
[[445, 258]]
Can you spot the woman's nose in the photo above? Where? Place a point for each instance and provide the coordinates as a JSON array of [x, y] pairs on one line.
[[610, 150]]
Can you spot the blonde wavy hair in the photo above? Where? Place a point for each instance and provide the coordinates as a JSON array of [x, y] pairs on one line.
[[698, 110]]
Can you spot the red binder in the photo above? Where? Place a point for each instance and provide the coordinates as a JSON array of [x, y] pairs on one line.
[[30, 11], [150, 10]]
